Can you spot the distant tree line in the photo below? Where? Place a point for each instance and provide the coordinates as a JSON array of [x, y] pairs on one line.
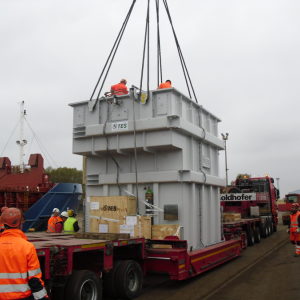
[[66, 175]]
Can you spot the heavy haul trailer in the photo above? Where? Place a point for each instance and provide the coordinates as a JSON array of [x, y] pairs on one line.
[[255, 199], [79, 269]]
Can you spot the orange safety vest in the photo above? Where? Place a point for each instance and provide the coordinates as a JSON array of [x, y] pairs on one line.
[[294, 221], [165, 85], [119, 89], [51, 224], [20, 275]]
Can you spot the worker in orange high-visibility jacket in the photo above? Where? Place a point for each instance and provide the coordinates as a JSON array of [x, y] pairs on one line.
[[120, 88], [52, 221], [165, 85], [20, 273], [2, 228], [294, 228]]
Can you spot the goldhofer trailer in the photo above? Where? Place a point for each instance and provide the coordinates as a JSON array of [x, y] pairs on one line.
[[79, 269]]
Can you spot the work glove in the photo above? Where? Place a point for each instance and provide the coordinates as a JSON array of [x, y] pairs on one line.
[[298, 230], [288, 231]]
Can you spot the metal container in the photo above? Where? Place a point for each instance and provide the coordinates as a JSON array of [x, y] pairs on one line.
[[177, 156]]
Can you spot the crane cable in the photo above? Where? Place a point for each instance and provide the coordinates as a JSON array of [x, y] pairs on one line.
[[184, 68], [159, 66], [112, 55], [146, 39]]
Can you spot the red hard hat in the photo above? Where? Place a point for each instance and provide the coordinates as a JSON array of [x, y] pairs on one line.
[[295, 205], [12, 217], [3, 208]]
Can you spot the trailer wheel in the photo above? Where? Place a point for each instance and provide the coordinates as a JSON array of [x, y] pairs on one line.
[[129, 279], [285, 222], [246, 239], [83, 285], [269, 227], [274, 228], [250, 238], [109, 288], [257, 235], [264, 231]]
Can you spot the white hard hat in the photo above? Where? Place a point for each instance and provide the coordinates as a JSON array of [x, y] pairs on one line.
[[65, 214], [55, 210]]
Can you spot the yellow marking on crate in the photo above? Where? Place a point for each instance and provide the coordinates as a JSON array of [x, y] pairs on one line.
[[182, 266], [93, 245], [124, 242], [209, 255]]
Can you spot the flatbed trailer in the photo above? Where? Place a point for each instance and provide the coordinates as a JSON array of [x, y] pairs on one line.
[[75, 268], [252, 229]]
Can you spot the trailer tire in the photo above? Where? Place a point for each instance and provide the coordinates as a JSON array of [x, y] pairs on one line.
[[234, 190], [274, 228], [109, 288], [250, 237], [81, 284], [269, 227], [246, 239], [129, 279], [257, 235], [285, 222], [264, 231]]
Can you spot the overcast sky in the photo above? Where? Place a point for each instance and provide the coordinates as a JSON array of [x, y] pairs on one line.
[[243, 58]]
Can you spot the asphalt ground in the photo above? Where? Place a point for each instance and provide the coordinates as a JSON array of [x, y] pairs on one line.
[[267, 270]]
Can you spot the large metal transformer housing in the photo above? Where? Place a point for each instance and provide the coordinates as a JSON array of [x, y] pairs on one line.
[[177, 156]]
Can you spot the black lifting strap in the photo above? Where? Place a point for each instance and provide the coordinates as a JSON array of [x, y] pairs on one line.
[[146, 39], [112, 54], [159, 66], [184, 68]]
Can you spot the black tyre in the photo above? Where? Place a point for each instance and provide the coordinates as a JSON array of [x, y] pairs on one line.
[[129, 279], [109, 288], [274, 228], [246, 239], [285, 222], [250, 237], [264, 231], [269, 227], [83, 285], [257, 235]]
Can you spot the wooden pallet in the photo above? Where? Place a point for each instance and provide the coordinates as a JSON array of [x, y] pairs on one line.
[[102, 236]]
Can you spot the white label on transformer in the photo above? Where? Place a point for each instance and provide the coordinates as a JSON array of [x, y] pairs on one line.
[[119, 126]]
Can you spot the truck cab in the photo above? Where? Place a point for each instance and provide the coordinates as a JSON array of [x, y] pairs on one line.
[[289, 200], [257, 191]]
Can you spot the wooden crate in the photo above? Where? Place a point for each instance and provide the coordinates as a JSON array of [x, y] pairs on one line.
[[141, 229], [159, 232], [111, 207], [231, 217]]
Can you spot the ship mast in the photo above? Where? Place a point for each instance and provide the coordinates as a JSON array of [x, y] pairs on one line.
[[21, 142]]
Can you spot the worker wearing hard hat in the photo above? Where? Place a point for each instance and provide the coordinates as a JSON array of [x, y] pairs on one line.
[[165, 85], [120, 88], [2, 228], [71, 225], [20, 267], [294, 228], [52, 221], [59, 225]]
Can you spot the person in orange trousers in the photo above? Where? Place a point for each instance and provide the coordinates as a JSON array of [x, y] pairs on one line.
[[21, 276], [165, 85], [294, 228]]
